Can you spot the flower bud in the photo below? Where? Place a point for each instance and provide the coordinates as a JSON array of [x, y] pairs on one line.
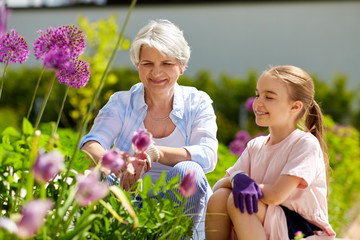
[[33, 214], [141, 140], [188, 184], [112, 160], [47, 166], [90, 189]]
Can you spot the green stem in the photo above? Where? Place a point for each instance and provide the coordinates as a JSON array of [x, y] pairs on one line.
[[34, 95], [95, 98], [69, 220], [3, 76], [45, 101], [30, 176], [62, 108], [42, 191]]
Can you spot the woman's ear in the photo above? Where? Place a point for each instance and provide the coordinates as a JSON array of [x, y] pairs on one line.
[[297, 106], [182, 67]]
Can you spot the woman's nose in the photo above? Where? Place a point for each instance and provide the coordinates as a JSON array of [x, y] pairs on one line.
[[156, 70]]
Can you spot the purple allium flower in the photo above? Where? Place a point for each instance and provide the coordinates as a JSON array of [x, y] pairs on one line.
[[65, 36], [76, 74], [57, 57], [237, 147], [249, 104], [90, 189], [4, 15], [33, 214], [141, 140], [112, 160], [47, 166], [13, 48], [243, 136], [188, 184]]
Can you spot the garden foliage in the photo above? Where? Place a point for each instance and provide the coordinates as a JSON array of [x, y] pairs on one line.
[[158, 216]]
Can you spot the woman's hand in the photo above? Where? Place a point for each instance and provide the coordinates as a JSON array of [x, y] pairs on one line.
[[141, 164]]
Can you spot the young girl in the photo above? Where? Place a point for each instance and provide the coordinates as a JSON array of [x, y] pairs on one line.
[[278, 186]]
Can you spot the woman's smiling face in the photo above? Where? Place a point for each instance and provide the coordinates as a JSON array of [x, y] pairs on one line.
[[272, 106], [158, 72]]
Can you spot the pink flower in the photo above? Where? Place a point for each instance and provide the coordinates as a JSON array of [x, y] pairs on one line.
[[68, 36], [90, 189], [33, 214], [57, 57], [188, 184], [239, 144], [13, 48], [76, 73], [47, 166], [112, 161], [237, 147], [141, 140], [243, 136], [299, 235], [4, 15], [249, 104]]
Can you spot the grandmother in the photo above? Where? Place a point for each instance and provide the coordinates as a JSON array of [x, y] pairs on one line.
[[181, 119]]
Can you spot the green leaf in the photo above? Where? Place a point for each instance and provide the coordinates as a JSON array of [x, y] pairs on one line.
[[27, 127]]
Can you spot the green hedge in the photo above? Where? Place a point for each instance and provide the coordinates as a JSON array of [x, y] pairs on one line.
[[228, 93]]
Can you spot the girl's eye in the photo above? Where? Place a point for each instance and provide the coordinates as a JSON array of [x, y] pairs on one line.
[[269, 98], [257, 95]]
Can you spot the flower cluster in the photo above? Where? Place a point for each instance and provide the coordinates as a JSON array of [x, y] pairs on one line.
[[76, 74], [249, 104], [13, 48], [238, 145], [59, 48], [4, 14]]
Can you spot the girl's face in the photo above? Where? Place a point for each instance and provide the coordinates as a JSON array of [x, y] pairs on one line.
[[272, 106], [158, 72]]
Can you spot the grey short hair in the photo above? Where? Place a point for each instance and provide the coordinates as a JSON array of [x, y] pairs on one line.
[[165, 37]]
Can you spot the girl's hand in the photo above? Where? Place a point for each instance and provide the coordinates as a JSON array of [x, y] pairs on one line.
[[246, 193]]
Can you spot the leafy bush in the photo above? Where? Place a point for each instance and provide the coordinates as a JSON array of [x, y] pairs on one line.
[[108, 218], [344, 154]]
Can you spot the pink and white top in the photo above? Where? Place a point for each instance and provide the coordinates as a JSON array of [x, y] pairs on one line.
[[299, 154]]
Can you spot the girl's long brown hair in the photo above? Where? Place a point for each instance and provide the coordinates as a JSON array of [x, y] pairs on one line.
[[301, 88]]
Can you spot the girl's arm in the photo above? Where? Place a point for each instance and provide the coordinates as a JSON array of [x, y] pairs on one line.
[[223, 183], [277, 193]]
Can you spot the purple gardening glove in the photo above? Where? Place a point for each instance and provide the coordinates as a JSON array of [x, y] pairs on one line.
[[246, 192]]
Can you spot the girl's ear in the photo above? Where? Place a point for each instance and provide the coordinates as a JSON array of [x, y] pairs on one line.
[[297, 106]]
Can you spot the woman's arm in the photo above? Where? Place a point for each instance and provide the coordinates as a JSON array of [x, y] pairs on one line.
[[94, 149], [277, 193], [203, 144], [170, 156]]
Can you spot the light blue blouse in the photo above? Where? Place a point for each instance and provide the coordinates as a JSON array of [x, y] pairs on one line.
[[192, 114]]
